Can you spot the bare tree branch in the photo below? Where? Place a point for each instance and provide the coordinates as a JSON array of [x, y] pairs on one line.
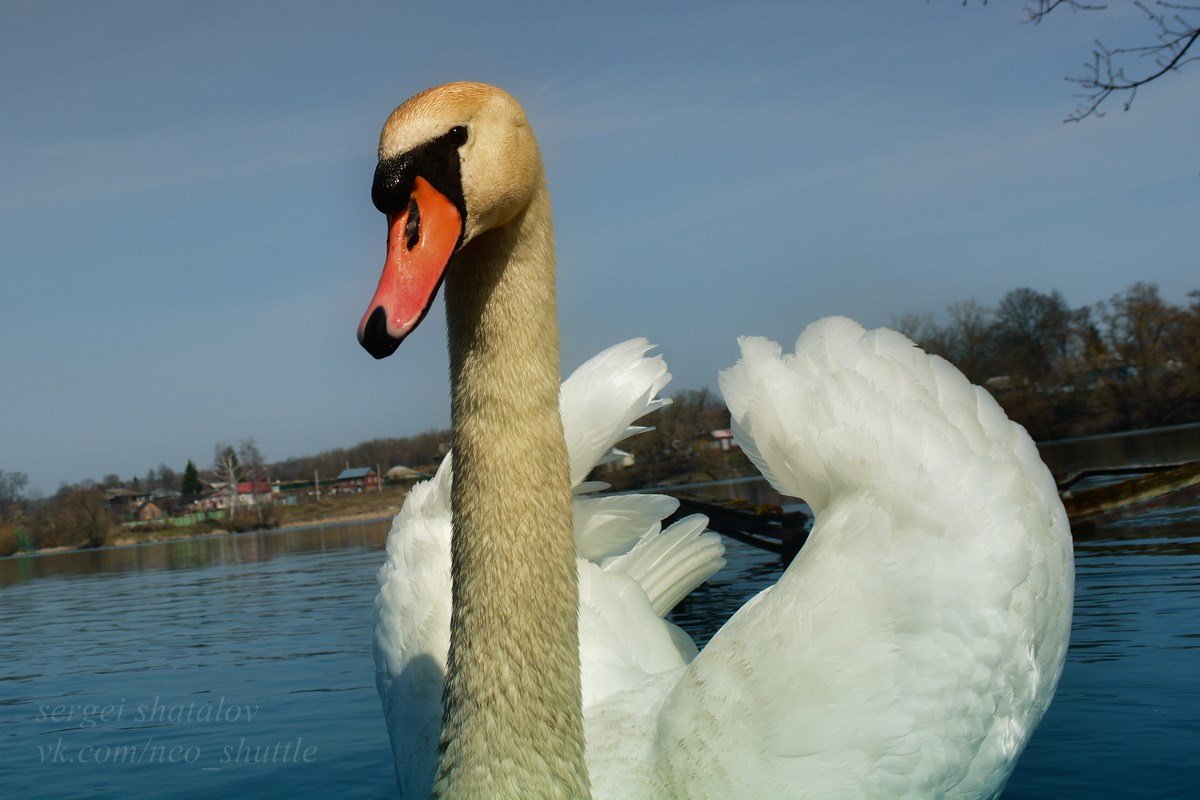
[[1117, 70], [1037, 11], [1106, 73]]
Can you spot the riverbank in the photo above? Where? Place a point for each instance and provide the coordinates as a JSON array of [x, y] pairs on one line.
[[1179, 443], [330, 510], [125, 540]]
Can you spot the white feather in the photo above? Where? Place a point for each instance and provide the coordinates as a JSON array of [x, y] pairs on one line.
[[909, 650], [623, 638], [604, 397]]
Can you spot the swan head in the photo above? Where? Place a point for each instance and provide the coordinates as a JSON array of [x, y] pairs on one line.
[[454, 162]]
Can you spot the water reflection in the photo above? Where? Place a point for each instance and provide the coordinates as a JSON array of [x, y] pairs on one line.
[[240, 548], [748, 570], [1126, 718], [282, 620], [1174, 444], [279, 622], [753, 489]]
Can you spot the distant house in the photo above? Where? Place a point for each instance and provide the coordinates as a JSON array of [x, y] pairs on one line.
[[721, 439], [215, 496], [248, 493], [166, 499], [125, 501], [724, 439], [356, 479], [251, 492], [148, 511]]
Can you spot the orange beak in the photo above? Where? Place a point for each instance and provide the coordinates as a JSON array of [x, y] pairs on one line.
[[420, 243]]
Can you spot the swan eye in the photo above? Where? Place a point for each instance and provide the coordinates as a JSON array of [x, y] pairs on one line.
[[412, 228], [457, 136]]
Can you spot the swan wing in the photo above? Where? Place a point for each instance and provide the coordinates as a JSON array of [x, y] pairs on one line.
[[412, 630], [915, 642], [602, 399], [632, 571]]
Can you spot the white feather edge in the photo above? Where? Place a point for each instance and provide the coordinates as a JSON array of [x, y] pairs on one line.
[[599, 403]]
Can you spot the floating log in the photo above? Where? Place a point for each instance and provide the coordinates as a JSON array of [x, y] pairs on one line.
[[765, 526], [1151, 483], [1069, 479], [771, 528]]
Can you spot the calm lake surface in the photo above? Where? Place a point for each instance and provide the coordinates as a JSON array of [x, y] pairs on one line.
[[241, 666]]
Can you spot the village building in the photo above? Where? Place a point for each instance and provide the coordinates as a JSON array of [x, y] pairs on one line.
[[124, 502], [356, 479], [721, 439], [249, 494], [149, 511]]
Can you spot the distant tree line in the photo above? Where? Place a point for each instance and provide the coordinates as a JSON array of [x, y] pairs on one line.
[[680, 446], [1132, 361], [75, 515], [421, 452], [81, 514]]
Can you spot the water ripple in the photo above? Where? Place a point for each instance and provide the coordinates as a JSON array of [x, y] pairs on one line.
[[119, 653]]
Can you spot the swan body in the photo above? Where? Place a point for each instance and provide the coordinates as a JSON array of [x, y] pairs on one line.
[[909, 650]]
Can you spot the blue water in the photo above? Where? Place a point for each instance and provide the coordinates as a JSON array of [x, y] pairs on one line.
[[241, 666], [109, 649]]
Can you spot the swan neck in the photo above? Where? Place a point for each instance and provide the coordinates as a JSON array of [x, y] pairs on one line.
[[512, 724]]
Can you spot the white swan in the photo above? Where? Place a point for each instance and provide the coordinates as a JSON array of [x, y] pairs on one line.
[[908, 651]]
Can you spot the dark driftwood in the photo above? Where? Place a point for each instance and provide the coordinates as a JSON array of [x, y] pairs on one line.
[[1156, 483], [768, 527]]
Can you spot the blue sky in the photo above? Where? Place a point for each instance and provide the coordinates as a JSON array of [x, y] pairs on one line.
[[188, 238]]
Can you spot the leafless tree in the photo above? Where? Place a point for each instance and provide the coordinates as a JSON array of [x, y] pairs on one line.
[[924, 330], [969, 338], [1189, 346], [253, 469], [12, 486], [84, 516], [1129, 362], [1032, 332], [1145, 333], [1172, 29], [227, 469], [73, 516], [167, 477]]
